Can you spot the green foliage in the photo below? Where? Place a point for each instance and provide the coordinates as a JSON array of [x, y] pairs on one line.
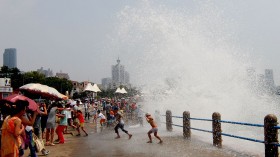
[[18, 79]]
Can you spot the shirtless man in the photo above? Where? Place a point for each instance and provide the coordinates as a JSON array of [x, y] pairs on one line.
[[154, 129]]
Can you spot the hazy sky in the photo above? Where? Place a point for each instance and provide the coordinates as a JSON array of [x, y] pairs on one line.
[[74, 36]]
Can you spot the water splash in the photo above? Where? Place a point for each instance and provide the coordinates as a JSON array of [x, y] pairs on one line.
[[190, 60]]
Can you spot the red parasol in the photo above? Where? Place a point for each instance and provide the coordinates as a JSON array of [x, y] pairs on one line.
[[14, 97]]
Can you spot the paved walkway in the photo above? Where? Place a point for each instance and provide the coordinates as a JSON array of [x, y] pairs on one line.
[[101, 143]]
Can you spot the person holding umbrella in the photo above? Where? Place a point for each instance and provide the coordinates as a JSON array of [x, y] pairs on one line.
[[12, 128]]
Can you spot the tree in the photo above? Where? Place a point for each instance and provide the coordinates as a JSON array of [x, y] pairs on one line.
[[14, 74], [60, 84]]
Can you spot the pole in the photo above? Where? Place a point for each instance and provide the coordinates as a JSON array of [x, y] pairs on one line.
[[217, 130], [271, 136], [169, 120], [186, 125]]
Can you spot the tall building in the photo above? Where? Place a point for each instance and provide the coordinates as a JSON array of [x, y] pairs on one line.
[[10, 58], [106, 83], [47, 73], [269, 80], [62, 75], [119, 75]]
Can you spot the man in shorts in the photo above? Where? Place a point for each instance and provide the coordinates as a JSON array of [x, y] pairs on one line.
[[154, 129], [120, 124]]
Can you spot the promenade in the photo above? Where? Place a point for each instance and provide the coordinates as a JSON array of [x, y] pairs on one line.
[[101, 143]]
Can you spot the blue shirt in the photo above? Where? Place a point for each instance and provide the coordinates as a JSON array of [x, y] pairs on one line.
[[63, 120]]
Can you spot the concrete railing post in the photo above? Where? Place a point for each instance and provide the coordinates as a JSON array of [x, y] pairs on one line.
[[169, 120], [217, 130], [186, 125], [270, 136]]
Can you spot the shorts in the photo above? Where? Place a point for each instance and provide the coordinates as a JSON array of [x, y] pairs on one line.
[[76, 122], [82, 124], [153, 130], [69, 121], [102, 121]]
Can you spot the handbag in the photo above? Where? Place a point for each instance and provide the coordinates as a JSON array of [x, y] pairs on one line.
[[39, 144]]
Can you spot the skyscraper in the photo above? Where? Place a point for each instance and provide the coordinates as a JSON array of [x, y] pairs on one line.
[[119, 75], [269, 80], [10, 58]]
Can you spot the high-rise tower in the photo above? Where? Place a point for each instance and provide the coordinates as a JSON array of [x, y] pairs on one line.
[[119, 75], [10, 58]]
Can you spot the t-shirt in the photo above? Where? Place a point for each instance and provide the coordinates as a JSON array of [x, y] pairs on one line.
[[63, 120], [52, 115], [81, 118], [100, 115], [76, 108], [68, 113]]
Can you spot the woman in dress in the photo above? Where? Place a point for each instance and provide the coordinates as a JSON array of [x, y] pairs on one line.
[[12, 128], [51, 125]]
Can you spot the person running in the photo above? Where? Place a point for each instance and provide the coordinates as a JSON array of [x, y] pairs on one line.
[[120, 124], [82, 123], [154, 129], [103, 118]]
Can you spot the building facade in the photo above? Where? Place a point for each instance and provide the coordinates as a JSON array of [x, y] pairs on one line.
[[47, 73], [106, 83], [10, 58], [119, 75], [269, 80], [62, 75]]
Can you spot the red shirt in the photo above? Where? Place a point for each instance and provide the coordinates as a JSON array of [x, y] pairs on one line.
[[81, 118]]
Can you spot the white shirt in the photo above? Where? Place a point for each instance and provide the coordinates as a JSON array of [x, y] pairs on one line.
[[100, 115], [68, 113]]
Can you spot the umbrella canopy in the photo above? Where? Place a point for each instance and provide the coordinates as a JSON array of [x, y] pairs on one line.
[[43, 90], [15, 97]]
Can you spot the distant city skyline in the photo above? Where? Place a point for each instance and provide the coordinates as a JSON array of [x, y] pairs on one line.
[[84, 39]]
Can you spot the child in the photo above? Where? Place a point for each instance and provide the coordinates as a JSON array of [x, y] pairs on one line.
[[103, 118], [154, 129], [82, 122]]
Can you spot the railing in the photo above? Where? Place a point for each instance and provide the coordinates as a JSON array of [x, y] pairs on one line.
[[270, 130]]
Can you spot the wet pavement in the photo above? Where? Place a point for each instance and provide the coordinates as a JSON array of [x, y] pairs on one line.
[[101, 142]]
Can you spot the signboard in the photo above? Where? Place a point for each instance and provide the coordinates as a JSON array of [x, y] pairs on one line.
[[5, 82], [6, 90]]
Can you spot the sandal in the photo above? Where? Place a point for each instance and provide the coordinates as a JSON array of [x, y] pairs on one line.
[[51, 144]]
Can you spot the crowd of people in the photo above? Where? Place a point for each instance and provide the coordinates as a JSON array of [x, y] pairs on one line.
[[19, 125]]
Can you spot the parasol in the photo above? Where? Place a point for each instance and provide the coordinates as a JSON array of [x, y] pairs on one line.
[[32, 105]]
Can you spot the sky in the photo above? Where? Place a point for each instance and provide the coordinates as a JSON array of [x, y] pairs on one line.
[[75, 37]]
